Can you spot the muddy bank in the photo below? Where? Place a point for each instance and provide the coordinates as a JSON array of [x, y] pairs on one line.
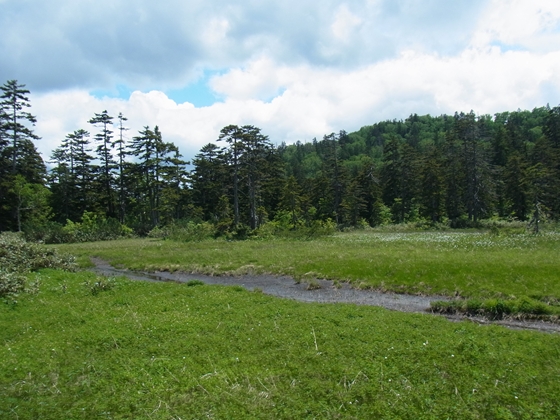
[[286, 287]]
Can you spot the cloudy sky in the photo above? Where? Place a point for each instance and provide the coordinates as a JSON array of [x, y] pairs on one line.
[[297, 69]]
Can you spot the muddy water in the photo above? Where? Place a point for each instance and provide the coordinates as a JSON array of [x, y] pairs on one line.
[[286, 287]]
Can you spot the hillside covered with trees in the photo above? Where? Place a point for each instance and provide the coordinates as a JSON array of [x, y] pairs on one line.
[[451, 170]]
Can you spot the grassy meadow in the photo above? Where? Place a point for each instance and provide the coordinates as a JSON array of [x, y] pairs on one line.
[[86, 347], [173, 351], [473, 264]]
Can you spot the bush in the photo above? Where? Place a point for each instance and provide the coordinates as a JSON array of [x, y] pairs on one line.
[[282, 226], [92, 228], [189, 231], [11, 285], [529, 306], [18, 257]]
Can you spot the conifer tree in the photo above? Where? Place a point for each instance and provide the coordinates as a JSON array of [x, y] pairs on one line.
[[21, 166], [16, 124], [104, 140]]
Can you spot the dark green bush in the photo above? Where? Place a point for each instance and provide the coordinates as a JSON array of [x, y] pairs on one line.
[[92, 228]]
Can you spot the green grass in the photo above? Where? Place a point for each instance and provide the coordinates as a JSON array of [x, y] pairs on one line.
[[168, 351], [473, 264]]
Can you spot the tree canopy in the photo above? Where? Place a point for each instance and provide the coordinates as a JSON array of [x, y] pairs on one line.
[[450, 169]]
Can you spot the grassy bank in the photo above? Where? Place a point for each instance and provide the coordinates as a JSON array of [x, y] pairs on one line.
[[474, 264], [163, 351]]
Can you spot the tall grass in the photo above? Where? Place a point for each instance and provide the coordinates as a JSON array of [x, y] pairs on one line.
[[469, 264], [169, 351]]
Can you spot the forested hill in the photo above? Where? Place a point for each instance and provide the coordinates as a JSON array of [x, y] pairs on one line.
[[458, 169], [452, 169]]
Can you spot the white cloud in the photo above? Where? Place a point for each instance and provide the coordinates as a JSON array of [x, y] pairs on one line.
[[529, 24], [296, 70], [344, 23], [314, 102]]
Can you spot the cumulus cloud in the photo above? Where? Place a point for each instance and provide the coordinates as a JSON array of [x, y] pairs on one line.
[[520, 24], [314, 102], [67, 44], [294, 69]]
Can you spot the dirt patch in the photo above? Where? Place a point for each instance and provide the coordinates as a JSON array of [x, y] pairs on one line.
[[323, 291]]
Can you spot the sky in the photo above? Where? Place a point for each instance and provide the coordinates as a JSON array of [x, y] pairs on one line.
[[297, 69]]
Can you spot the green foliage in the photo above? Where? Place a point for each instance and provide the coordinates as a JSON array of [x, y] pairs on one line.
[[100, 284], [523, 307], [11, 285], [18, 257], [282, 227], [165, 350], [184, 231], [192, 283], [93, 227]]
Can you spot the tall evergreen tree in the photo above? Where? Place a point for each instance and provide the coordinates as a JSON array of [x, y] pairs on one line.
[[104, 140], [432, 196], [477, 180], [255, 163], [16, 120], [153, 157], [232, 135], [71, 178], [209, 179], [121, 154], [21, 166]]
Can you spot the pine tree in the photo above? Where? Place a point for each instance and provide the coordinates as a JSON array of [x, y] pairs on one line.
[[21, 167], [232, 135], [209, 179], [71, 178], [153, 159], [14, 101], [121, 154], [432, 197], [108, 164]]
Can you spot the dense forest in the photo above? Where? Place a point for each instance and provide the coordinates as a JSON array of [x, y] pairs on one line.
[[453, 170]]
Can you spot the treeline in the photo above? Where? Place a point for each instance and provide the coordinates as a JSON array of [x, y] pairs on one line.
[[447, 170], [455, 170]]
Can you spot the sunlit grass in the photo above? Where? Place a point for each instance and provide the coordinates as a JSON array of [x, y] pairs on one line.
[[167, 351], [472, 264]]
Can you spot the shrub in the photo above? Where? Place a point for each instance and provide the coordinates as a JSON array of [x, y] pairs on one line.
[[92, 228], [473, 306], [11, 285], [188, 231], [18, 257], [281, 226]]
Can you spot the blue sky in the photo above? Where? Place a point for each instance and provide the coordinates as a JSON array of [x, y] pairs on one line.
[[197, 92], [295, 69]]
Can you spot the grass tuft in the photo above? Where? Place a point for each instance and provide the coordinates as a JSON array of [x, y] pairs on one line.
[[522, 308]]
